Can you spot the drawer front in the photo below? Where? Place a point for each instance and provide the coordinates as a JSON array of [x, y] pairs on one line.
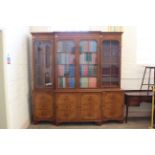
[[133, 100]]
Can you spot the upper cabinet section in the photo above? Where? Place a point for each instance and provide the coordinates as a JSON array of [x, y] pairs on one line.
[[77, 60]]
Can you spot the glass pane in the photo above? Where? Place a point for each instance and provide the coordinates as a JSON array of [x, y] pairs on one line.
[[39, 78], [106, 49], [88, 58], [66, 46], [48, 64], [84, 46], [71, 82], [70, 58], [92, 70], [84, 82], [88, 82], [61, 70], [88, 46], [92, 82], [43, 62], [71, 70], [115, 59], [115, 51], [88, 70], [106, 81], [66, 82], [66, 70], [84, 70], [110, 63], [47, 56], [38, 53], [65, 58], [88, 61], [61, 58], [83, 58], [39, 63], [115, 48], [106, 59], [93, 58], [92, 46], [62, 82], [115, 70], [115, 81], [106, 69]]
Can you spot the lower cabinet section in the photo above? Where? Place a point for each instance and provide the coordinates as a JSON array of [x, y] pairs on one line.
[[42, 106], [113, 106], [78, 106]]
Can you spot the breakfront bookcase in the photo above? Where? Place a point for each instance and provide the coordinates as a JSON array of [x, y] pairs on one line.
[[76, 77]]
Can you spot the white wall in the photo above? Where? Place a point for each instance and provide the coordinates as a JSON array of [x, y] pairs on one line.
[[3, 119], [146, 48], [17, 89], [40, 28], [131, 71]]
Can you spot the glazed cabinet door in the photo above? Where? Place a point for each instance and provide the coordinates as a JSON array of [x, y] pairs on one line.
[[67, 107], [88, 63], [66, 64], [43, 106], [90, 106], [113, 105], [110, 63], [43, 70]]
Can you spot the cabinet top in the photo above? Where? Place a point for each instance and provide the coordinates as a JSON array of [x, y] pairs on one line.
[[74, 33]]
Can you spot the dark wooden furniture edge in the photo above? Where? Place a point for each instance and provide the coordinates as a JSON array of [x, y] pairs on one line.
[[139, 95]]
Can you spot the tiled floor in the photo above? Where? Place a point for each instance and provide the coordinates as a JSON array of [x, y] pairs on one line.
[[133, 123]]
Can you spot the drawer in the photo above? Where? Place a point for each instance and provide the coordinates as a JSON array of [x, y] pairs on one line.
[[133, 101]]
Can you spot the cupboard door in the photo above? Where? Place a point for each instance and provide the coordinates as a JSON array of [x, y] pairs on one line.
[[67, 107], [43, 106], [43, 71], [90, 106], [113, 106]]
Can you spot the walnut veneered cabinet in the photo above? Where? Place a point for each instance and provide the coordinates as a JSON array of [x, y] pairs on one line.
[[76, 77]]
